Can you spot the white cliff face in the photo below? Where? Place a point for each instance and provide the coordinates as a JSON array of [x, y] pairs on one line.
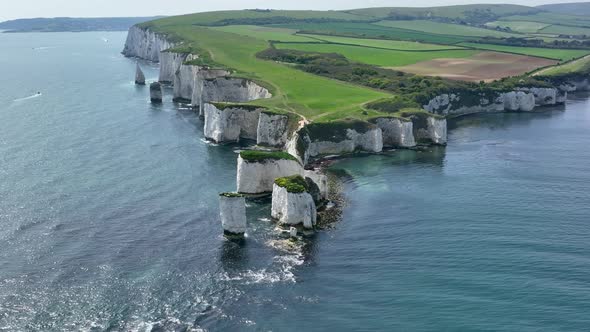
[[543, 96], [370, 141], [437, 130], [204, 74], [291, 147], [170, 63], [524, 100], [320, 179], [232, 211], [230, 89], [145, 44], [519, 101], [259, 177], [396, 132], [184, 80], [293, 208], [231, 123], [272, 130]]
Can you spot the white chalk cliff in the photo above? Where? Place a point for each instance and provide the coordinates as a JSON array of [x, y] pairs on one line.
[[293, 208], [145, 44], [230, 123], [259, 176], [396, 132], [273, 129], [369, 141]]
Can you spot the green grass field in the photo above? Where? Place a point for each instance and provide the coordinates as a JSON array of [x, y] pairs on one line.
[[557, 54], [265, 33], [381, 43], [378, 57], [376, 31], [551, 18], [578, 65], [519, 26], [564, 30], [232, 40], [445, 28], [293, 90], [458, 11]]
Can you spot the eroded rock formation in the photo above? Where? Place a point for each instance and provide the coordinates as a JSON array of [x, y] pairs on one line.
[[139, 76], [290, 208], [255, 177], [156, 92], [232, 211]]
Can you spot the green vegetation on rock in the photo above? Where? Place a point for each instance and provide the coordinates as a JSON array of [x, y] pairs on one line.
[[294, 184], [262, 156]]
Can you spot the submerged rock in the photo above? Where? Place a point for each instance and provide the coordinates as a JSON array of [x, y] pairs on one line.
[[139, 76], [232, 210], [156, 92]]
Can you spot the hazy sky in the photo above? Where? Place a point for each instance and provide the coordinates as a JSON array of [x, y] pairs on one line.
[[11, 9]]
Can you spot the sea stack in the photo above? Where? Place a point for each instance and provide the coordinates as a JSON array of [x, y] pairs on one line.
[[156, 93], [292, 204], [232, 210], [139, 76]]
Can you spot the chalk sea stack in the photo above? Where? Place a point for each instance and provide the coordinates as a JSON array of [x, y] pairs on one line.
[[232, 210], [156, 93], [139, 76], [292, 204]]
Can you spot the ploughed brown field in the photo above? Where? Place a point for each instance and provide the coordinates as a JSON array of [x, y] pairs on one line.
[[484, 66]]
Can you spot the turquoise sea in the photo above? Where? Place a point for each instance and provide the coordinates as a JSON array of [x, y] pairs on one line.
[[109, 217]]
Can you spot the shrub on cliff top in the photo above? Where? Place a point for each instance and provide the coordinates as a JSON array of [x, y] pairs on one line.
[[262, 156], [335, 131], [294, 184]]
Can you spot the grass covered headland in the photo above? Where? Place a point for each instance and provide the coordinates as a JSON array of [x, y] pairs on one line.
[[335, 65]]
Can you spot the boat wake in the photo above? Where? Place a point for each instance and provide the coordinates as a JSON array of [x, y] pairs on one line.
[[36, 95]]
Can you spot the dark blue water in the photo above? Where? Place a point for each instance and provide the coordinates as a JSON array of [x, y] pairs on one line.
[[109, 217]]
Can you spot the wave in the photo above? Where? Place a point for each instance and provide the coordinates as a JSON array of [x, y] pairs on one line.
[[41, 48]]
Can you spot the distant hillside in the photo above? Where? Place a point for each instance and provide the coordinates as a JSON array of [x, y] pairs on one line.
[[60, 24], [575, 8]]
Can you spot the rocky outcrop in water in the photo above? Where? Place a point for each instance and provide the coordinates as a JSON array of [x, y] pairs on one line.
[[156, 93], [232, 211], [255, 177], [293, 208], [139, 76], [145, 44]]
